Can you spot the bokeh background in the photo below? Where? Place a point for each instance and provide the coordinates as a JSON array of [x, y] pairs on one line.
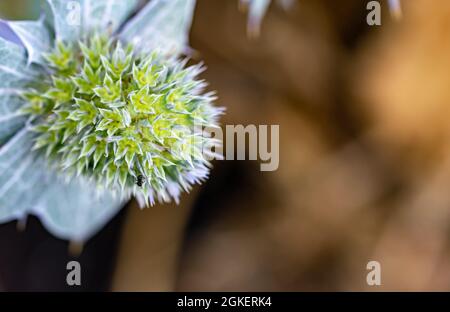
[[364, 164]]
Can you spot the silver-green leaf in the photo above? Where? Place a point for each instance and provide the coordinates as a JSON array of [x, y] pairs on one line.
[[162, 25], [74, 19], [27, 186], [14, 75], [35, 37]]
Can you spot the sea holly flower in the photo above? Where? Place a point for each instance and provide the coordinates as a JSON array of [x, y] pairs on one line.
[[92, 113]]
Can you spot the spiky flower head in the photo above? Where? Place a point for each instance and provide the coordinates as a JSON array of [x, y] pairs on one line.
[[128, 121]]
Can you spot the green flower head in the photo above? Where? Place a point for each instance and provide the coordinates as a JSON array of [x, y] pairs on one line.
[[127, 120], [98, 104]]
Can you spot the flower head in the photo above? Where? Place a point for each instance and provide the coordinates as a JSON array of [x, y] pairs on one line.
[[111, 119], [114, 115]]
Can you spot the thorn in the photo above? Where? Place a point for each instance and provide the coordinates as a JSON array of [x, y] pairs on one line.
[[75, 248]]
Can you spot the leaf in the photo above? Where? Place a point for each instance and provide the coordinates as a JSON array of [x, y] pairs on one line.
[[8, 34], [14, 75], [27, 186], [163, 25], [35, 37], [74, 19]]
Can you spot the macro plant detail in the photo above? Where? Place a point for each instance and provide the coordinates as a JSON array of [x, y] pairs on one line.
[[94, 112], [101, 108], [112, 115]]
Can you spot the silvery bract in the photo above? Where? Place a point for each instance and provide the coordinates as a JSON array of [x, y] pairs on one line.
[[72, 208]]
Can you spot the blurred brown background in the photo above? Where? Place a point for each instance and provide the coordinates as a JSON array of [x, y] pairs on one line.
[[364, 161], [365, 166]]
